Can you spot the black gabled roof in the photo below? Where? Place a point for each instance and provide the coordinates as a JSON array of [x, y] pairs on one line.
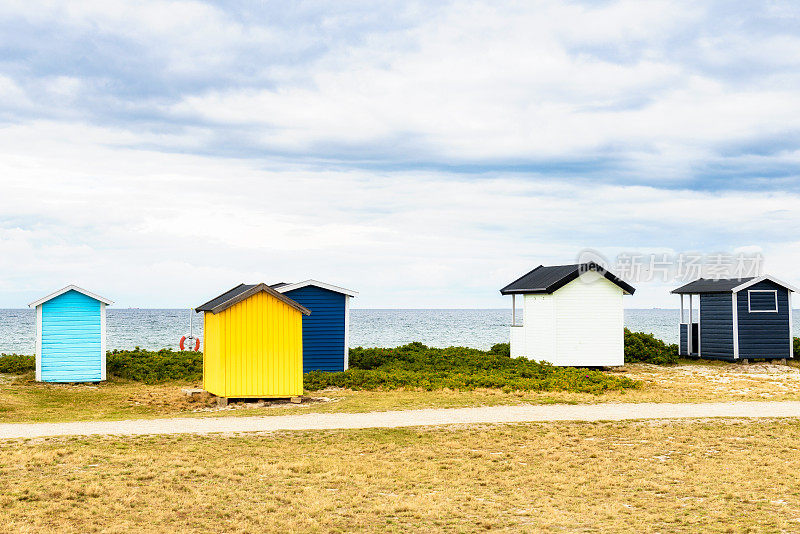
[[225, 297], [548, 279], [707, 285], [242, 292]]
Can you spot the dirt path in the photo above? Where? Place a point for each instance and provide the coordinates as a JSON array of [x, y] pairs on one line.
[[488, 414]]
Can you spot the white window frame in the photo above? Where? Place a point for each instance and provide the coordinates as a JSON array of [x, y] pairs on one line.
[[774, 293]]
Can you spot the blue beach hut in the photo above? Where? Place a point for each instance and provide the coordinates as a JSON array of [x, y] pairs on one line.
[[71, 336], [326, 330], [737, 319]]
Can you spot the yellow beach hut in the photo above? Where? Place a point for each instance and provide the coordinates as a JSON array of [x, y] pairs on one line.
[[253, 343]]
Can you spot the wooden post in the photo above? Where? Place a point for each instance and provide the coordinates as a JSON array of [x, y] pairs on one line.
[[681, 308], [513, 309], [689, 329]]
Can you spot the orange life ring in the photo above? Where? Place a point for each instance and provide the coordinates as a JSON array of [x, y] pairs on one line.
[[196, 343]]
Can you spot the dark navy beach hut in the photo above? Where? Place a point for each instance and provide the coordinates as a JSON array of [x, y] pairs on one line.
[[738, 319], [326, 330], [71, 336]]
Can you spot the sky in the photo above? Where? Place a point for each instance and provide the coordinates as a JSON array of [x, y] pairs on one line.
[[424, 154]]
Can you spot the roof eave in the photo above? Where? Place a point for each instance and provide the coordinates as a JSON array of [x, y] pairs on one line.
[[626, 288], [523, 291], [506, 291], [762, 278], [695, 292], [317, 283], [200, 308], [71, 287], [252, 291]]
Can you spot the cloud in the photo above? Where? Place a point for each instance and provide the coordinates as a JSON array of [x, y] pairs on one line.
[[659, 92], [423, 153], [156, 229]]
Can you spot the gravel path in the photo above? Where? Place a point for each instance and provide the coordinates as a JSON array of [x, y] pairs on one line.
[[487, 414]]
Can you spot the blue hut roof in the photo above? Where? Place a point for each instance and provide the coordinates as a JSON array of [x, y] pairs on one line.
[[70, 287], [283, 287]]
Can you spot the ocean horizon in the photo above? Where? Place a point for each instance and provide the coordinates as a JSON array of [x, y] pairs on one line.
[[154, 329]]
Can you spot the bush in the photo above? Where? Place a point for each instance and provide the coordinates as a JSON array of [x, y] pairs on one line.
[[16, 364], [796, 347], [152, 367], [503, 349], [420, 367], [139, 365], [641, 347], [409, 366]]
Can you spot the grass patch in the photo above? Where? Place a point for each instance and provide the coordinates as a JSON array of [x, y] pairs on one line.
[[418, 366], [410, 366], [647, 348], [718, 476], [24, 400], [153, 367]]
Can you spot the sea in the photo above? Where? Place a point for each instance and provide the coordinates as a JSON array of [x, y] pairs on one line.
[[156, 329]]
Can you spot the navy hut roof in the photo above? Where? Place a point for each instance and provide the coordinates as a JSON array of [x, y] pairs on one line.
[[548, 279], [705, 285]]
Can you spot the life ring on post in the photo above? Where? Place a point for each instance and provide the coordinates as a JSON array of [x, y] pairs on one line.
[[196, 343]]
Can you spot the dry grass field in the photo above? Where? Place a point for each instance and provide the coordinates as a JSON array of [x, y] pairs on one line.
[[688, 476], [23, 400], [677, 476]]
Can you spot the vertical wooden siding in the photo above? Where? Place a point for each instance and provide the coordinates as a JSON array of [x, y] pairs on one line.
[[589, 323], [764, 335], [716, 325], [213, 373], [71, 339], [323, 330], [254, 349], [683, 346]]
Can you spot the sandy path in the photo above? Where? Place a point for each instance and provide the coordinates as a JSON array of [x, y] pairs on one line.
[[488, 414]]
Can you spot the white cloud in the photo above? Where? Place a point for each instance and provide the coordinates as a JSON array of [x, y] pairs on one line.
[[156, 229], [11, 94], [111, 174], [479, 84]]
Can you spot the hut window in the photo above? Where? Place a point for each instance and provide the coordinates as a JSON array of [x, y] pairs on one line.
[[762, 301]]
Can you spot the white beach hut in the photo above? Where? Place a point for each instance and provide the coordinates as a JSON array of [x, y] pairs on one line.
[[572, 315]]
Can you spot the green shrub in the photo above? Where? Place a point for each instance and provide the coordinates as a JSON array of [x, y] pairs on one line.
[[420, 367], [16, 364], [409, 366], [503, 349], [152, 367], [139, 365], [796, 347], [641, 347]]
